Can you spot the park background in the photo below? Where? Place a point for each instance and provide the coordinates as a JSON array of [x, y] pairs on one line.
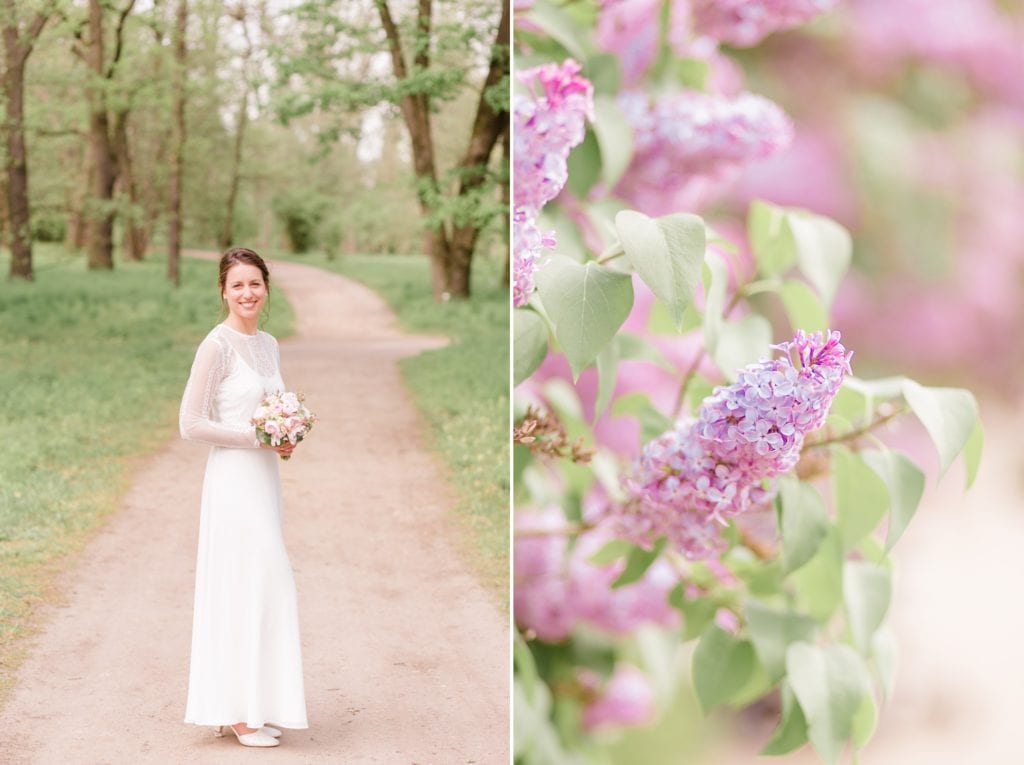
[[297, 129]]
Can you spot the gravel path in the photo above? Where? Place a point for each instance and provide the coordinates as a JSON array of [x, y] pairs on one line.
[[405, 654]]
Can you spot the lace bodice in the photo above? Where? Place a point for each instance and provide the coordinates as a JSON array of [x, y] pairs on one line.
[[231, 374]]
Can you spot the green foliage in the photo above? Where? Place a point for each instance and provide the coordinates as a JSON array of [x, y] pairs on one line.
[[301, 214], [722, 667]]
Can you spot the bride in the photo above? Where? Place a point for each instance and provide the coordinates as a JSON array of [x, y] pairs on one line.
[[246, 665]]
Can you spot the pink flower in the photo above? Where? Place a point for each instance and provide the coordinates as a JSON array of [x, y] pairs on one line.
[[626, 700], [744, 23]]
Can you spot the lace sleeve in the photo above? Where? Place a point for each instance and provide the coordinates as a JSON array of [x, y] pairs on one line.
[[194, 423]]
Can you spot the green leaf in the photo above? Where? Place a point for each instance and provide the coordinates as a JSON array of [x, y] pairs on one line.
[[716, 281], [867, 591], [819, 582], [948, 414], [830, 683], [905, 483], [772, 631], [722, 666], [604, 73], [525, 667], [884, 649], [652, 422], [804, 522], [587, 305], [584, 167], [615, 137], [611, 552], [530, 343], [607, 372], [667, 253], [803, 307], [972, 453], [561, 27], [823, 251], [742, 342], [792, 729], [861, 496], [864, 721], [637, 564], [771, 239], [630, 346]]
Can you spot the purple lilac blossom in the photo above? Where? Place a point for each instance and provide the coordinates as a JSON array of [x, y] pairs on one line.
[[744, 23], [690, 145], [549, 119], [691, 479], [629, 29], [626, 700]]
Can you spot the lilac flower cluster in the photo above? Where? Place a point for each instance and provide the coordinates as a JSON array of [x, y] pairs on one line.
[[625, 700], [549, 119], [746, 22], [556, 589], [690, 142], [688, 481]]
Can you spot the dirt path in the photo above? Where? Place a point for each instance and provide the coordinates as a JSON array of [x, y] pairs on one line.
[[405, 655]]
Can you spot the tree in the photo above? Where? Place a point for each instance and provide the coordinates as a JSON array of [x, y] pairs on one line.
[[17, 43], [174, 232], [427, 65]]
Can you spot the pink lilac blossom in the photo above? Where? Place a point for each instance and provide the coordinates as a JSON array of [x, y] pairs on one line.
[[689, 146], [691, 479], [629, 29], [626, 700], [744, 23], [556, 589], [549, 119]]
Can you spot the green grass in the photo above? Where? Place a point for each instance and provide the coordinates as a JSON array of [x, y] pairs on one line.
[[461, 390], [94, 364]]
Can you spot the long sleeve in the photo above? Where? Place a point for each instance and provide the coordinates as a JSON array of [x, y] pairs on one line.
[[194, 423]]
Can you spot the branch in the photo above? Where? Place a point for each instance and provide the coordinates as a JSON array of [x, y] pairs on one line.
[[119, 38], [861, 431]]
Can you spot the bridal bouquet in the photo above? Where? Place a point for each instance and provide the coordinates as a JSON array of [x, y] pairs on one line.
[[282, 417]]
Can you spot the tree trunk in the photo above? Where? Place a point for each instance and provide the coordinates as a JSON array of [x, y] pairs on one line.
[[488, 126], [227, 234], [134, 245], [17, 45], [99, 212], [174, 233], [506, 158]]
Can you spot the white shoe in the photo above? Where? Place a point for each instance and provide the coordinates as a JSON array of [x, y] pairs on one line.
[[270, 731], [256, 738]]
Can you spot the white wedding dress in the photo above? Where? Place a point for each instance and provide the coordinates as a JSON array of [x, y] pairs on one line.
[[246, 663]]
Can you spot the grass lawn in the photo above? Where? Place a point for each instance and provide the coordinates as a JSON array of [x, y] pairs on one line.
[[94, 367], [461, 390]]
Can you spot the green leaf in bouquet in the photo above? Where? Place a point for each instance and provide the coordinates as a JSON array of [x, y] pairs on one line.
[[667, 253], [948, 414], [860, 495], [584, 166], [905, 483], [867, 592], [823, 251], [741, 342], [530, 343], [771, 239], [972, 453], [791, 732], [652, 422], [614, 136], [819, 582], [803, 307], [723, 665], [637, 563], [830, 683], [772, 630], [587, 304]]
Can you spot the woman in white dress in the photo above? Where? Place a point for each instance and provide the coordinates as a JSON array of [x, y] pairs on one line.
[[246, 665]]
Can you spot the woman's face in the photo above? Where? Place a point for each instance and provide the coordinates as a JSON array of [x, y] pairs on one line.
[[244, 291]]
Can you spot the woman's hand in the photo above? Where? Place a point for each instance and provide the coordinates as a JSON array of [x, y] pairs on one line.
[[284, 449]]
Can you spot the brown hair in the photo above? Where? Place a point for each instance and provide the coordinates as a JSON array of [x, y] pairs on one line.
[[237, 255]]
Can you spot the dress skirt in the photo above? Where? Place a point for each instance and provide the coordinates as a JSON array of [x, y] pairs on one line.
[[246, 662]]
